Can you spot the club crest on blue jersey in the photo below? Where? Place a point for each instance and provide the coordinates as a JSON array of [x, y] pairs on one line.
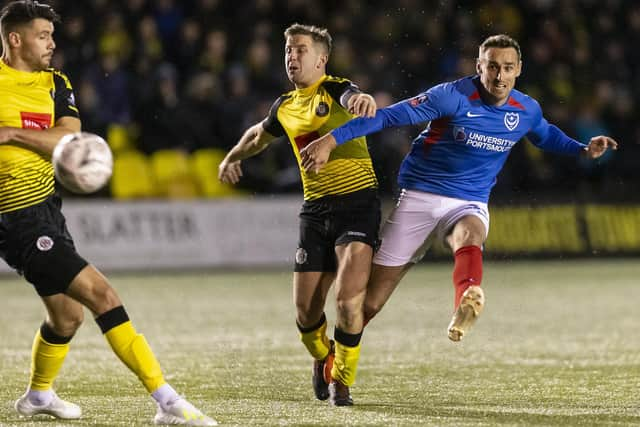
[[417, 100], [459, 134], [511, 120]]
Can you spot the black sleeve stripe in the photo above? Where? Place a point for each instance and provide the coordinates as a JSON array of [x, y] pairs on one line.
[[339, 88], [62, 80], [64, 100], [271, 124]]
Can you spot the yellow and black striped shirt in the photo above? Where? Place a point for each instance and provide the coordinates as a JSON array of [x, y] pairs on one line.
[[304, 115], [30, 100]]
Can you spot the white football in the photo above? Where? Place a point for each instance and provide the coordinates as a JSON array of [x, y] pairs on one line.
[[82, 162]]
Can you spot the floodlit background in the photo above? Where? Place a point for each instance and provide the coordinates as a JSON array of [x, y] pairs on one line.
[[192, 75]]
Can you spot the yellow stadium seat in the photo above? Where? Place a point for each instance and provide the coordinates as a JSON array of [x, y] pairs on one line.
[[119, 138], [204, 165], [132, 176], [172, 174]]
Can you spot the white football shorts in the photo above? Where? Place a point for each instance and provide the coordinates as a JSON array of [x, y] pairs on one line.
[[417, 219]]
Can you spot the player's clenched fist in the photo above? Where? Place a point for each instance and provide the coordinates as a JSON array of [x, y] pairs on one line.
[[362, 105], [599, 144]]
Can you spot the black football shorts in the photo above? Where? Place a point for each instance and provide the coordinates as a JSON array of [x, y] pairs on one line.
[[36, 243], [332, 221]]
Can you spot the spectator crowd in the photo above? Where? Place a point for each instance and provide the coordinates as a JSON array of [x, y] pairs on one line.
[[192, 74]]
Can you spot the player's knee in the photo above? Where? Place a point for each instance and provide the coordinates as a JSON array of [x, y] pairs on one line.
[[468, 231], [465, 237]]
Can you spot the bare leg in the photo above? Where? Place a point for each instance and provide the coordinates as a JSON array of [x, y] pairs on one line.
[[91, 289], [310, 294], [354, 266], [382, 283]]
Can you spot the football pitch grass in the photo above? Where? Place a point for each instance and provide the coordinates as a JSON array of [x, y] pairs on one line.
[[557, 345]]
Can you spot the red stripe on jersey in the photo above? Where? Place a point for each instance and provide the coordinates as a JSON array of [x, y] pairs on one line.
[[474, 96], [304, 140], [436, 130], [515, 103]]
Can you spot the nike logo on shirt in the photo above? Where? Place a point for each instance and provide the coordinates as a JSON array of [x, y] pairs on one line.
[[470, 114]]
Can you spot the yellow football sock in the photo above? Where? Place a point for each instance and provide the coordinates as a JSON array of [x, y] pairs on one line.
[[345, 364], [134, 351], [46, 361], [316, 341]]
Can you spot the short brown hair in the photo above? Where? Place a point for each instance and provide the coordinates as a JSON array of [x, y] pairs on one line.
[[318, 34], [502, 41], [22, 12]]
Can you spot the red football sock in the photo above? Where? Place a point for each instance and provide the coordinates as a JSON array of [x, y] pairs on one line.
[[467, 270]]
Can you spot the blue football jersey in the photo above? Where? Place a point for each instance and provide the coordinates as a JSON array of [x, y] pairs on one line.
[[466, 142]]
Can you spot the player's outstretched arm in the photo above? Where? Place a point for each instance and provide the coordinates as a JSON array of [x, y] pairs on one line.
[[254, 140], [315, 155], [362, 105], [43, 141], [598, 145]]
